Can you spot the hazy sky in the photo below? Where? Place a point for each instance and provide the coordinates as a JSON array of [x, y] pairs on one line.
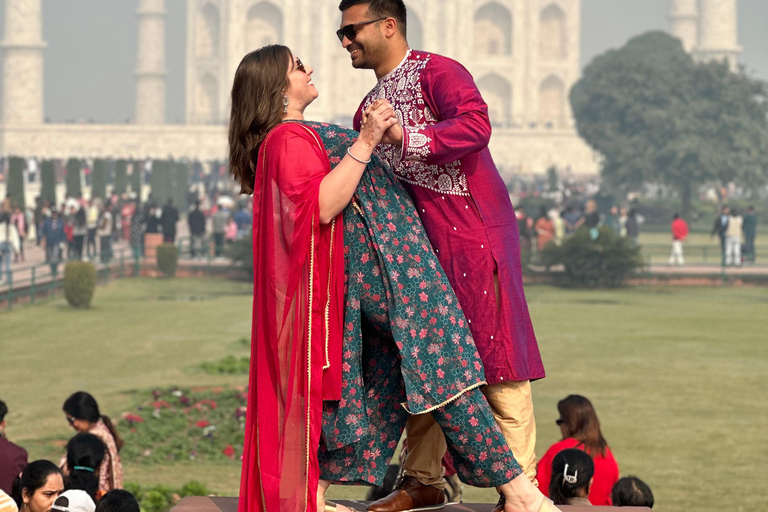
[[91, 54]]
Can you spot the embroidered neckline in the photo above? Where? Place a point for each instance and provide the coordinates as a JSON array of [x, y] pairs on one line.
[[388, 75]]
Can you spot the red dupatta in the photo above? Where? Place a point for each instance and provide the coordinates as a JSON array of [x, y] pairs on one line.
[[298, 302]]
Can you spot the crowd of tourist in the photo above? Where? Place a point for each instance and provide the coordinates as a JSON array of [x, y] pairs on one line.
[[86, 230], [555, 224], [88, 478], [580, 469]]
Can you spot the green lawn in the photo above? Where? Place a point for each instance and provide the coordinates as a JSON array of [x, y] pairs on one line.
[[678, 376]]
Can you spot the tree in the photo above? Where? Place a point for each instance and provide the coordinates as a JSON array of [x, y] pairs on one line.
[[180, 185], [48, 181], [136, 177], [74, 185], [99, 183], [15, 190], [657, 116], [121, 177]]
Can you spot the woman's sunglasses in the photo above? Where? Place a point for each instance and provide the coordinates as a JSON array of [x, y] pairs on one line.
[[350, 31], [300, 65], [559, 421]]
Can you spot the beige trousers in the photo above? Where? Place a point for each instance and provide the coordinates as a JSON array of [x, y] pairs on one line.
[[512, 408]]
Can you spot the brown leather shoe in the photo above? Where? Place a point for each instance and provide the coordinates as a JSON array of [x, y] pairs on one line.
[[500, 505], [410, 495]]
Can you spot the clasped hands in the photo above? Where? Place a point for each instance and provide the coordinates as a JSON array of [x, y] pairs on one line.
[[380, 125]]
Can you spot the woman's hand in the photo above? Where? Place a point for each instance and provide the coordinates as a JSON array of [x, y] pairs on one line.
[[377, 119]]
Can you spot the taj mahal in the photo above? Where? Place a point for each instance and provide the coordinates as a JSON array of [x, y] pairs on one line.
[[524, 55]]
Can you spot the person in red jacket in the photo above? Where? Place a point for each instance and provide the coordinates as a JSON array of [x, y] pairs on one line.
[[679, 234], [581, 429]]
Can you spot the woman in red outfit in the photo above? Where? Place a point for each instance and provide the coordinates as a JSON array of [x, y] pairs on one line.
[[581, 429]]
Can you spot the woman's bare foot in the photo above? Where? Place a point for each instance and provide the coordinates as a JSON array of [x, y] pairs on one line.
[[520, 495]]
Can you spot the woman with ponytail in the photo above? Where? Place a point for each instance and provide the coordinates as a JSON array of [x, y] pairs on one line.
[[85, 454], [83, 415], [572, 472]]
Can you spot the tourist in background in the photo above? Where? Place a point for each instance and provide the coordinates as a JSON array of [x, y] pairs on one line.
[[559, 224], [9, 244], [580, 429], [591, 215], [230, 235], [104, 233], [733, 240], [750, 231], [679, 234], [525, 227], [545, 229], [168, 220], [572, 472], [153, 219], [136, 237], [118, 500], [83, 415], [74, 500], [38, 486], [6, 503], [219, 222], [53, 234], [623, 216], [630, 491], [243, 220], [196, 221], [19, 220], [92, 223], [573, 220], [13, 458], [85, 455], [632, 227], [720, 227], [612, 220], [39, 218], [79, 232]]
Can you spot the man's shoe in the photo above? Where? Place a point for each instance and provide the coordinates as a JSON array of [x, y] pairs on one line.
[[410, 495], [500, 505]]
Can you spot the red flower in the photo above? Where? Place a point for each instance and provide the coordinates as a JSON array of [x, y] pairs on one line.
[[229, 451], [132, 418], [202, 424]]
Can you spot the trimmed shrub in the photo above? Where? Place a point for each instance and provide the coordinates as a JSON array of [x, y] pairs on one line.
[[604, 261], [167, 259], [99, 178], [241, 254], [161, 498], [74, 184], [48, 181], [121, 177], [79, 283]]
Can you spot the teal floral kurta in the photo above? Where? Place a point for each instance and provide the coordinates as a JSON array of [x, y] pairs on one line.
[[406, 341]]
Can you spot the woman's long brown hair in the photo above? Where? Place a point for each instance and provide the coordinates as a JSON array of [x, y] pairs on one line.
[[583, 425], [257, 107]]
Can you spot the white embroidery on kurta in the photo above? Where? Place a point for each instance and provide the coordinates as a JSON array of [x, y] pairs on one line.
[[402, 88]]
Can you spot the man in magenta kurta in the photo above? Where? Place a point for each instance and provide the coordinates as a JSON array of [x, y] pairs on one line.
[[440, 152]]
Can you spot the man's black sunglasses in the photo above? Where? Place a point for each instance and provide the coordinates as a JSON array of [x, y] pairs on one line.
[[350, 31]]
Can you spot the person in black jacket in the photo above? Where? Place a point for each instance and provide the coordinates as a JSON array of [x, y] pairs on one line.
[[720, 227], [168, 220], [196, 221]]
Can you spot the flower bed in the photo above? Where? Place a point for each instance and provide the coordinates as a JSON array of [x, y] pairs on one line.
[[161, 498], [183, 424]]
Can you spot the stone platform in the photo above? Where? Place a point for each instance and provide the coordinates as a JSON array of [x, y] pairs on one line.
[[215, 504]]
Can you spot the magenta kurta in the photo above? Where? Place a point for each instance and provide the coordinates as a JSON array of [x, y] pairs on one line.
[[447, 168]]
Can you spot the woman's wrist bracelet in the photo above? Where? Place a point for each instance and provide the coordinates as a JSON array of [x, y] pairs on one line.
[[364, 162]]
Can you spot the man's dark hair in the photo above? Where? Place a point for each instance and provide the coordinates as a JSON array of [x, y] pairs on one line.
[[117, 500], [381, 8], [677, 216], [3, 410], [630, 491]]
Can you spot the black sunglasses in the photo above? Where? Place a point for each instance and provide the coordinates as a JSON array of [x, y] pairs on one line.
[[350, 31], [71, 420], [300, 65], [559, 422]]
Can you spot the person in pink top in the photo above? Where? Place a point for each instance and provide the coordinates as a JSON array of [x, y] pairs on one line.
[[581, 429], [439, 151]]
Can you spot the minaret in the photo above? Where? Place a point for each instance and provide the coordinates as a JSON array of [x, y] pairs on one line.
[[718, 38], [150, 63], [23, 63], [684, 19]]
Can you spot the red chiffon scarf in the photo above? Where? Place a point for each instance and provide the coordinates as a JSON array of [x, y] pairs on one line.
[[298, 302]]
